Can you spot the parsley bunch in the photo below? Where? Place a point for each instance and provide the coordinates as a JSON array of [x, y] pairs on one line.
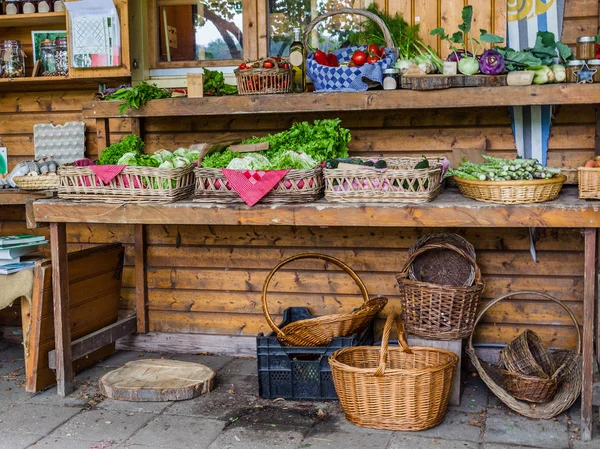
[[134, 97]]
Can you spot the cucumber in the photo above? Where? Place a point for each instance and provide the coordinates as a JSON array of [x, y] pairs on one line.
[[381, 164], [422, 164]]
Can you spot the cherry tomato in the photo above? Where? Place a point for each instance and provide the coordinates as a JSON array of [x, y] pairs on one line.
[[374, 50], [268, 64], [285, 65], [359, 57], [373, 59], [243, 66]]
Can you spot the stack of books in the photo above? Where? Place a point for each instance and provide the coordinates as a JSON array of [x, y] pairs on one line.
[[13, 247]]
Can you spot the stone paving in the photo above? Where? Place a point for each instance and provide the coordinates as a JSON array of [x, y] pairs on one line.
[[232, 416]]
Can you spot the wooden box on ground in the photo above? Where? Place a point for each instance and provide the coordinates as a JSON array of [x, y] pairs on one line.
[[454, 346], [95, 290]]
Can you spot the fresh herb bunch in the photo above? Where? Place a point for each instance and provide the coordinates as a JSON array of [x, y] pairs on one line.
[[404, 36], [214, 84], [323, 140], [112, 154], [134, 97], [498, 169], [546, 48], [468, 64]]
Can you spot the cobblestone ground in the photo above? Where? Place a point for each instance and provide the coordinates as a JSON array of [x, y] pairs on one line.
[[232, 416]]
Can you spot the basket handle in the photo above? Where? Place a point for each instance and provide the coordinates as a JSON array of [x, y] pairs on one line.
[[525, 292], [326, 258], [389, 43], [411, 258], [385, 341]]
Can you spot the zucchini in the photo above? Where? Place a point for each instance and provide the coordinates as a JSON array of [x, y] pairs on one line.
[[422, 164], [381, 164]]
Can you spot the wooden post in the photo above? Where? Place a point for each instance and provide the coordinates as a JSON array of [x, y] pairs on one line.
[[589, 287], [136, 126], [140, 278], [102, 134], [62, 326]]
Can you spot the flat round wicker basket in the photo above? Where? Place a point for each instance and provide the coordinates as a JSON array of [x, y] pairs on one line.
[[442, 266], [37, 182], [398, 388], [567, 375], [321, 330], [512, 192]]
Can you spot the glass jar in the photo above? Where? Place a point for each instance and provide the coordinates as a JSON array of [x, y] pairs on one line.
[[29, 6], [44, 6], [62, 56], [573, 66], [13, 7], [594, 64], [48, 58], [586, 47], [390, 79], [58, 6], [12, 59]]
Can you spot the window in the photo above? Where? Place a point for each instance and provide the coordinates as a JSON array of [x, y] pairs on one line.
[[199, 31]]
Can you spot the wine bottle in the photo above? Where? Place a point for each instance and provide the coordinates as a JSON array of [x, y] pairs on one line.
[[298, 63]]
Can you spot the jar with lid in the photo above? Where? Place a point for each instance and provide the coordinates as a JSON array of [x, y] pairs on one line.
[[48, 58], [573, 66], [12, 59], [44, 6], [586, 47], [29, 6], [594, 64], [62, 59], [13, 7], [391, 77]]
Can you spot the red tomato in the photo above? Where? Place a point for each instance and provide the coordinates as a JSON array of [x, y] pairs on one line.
[[374, 50], [243, 66], [285, 65], [359, 57], [268, 64], [373, 59]]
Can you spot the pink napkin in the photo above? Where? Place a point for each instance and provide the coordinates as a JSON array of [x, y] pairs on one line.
[[252, 185], [107, 172]]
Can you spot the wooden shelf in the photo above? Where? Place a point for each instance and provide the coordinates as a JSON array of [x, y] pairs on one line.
[[20, 197], [33, 20], [450, 209], [554, 94], [46, 83]]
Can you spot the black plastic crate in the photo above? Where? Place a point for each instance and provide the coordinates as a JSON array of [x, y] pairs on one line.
[[300, 372]]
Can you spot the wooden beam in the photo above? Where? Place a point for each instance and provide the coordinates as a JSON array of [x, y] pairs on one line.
[[553, 94], [96, 340], [450, 209], [60, 289], [102, 134], [140, 278], [589, 299]]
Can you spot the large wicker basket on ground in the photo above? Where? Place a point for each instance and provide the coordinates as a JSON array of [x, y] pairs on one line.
[[567, 375], [393, 388], [443, 312], [321, 330], [400, 182]]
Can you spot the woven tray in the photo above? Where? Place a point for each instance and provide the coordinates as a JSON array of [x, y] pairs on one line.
[[298, 186], [399, 183], [37, 182], [259, 80], [589, 183], [512, 192], [133, 184]]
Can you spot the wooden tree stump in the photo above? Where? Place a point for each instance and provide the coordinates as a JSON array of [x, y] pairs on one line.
[[157, 381]]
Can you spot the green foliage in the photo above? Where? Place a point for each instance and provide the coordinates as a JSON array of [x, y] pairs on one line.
[[112, 154], [543, 52], [134, 97], [323, 140], [214, 83]]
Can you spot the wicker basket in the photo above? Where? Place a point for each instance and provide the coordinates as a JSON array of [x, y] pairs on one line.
[[528, 355], [442, 266], [399, 183], [320, 331], [133, 184], [398, 388], [589, 183], [49, 182], [567, 376], [298, 186], [512, 192], [259, 80], [442, 312]]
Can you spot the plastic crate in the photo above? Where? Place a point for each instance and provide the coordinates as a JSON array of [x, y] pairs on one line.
[[300, 372]]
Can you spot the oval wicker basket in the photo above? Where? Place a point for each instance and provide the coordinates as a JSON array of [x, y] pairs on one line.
[[321, 330], [49, 182], [441, 312], [589, 183], [567, 376], [393, 388], [512, 192], [259, 80], [443, 266], [528, 355]]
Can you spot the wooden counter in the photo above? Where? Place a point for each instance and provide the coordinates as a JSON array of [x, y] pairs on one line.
[[20, 197]]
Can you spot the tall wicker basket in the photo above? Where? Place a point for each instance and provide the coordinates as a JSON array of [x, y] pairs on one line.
[[397, 388]]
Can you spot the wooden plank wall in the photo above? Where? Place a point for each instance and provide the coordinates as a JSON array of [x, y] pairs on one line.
[[208, 279]]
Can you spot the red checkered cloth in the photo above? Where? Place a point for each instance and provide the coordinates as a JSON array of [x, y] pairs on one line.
[[252, 185], [107, 173]]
